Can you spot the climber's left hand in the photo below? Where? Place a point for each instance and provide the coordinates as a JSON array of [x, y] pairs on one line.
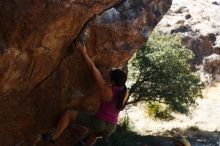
[[81, 47]]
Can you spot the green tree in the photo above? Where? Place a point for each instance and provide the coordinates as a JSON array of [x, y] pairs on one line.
[[160, 71]]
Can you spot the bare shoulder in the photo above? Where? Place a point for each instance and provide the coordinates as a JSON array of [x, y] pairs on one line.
[[106, 93]]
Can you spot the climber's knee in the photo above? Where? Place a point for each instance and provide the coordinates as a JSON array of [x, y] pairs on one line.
[[90, 107], [70, 115], [91, 139]]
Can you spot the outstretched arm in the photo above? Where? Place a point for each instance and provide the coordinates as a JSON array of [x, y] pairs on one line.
[[126, 97], [105, 90]]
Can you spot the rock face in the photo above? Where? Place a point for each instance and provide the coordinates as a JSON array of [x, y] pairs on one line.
[[199, 24], [40, 69], [211, 64]]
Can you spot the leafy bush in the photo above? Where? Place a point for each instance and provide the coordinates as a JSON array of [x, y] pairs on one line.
[[160, 71], [123, 136], [158, 111]]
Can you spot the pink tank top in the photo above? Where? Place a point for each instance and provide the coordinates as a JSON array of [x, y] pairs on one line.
[[107, 110]]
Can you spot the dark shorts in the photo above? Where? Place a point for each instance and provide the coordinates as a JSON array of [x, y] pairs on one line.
[[98, 126]]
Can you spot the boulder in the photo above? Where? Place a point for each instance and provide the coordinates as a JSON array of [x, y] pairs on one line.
[[211, 64], [210, 70], [198, 23], [41, 70]]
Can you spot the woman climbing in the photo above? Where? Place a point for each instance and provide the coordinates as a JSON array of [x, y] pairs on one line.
[[113, 97]]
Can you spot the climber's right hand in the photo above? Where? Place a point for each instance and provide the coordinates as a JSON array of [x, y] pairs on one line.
[[81, 47]]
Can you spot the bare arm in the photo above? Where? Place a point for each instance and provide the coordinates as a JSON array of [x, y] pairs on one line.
[[105, 90], [126, 97]]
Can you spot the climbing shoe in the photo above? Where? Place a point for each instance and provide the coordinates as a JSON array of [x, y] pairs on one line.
[[80, 143], [48, 138]]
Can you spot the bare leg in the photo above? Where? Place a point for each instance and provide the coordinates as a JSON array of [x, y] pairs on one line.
[[86, 103], [91, 140], [69, 115], [84, 131]]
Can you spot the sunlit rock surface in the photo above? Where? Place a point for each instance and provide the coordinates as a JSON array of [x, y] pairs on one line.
[[198, 22], [40, 69], [211, 64]]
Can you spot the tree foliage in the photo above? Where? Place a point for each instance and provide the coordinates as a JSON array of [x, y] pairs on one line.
[[160, 71]]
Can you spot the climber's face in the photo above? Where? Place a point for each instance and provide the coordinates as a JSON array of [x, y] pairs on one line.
[[111, 83]]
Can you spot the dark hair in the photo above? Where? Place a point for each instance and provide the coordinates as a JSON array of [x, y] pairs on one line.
[[119, 77]]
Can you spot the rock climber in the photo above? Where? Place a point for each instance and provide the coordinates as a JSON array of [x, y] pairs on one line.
[[113, 97]]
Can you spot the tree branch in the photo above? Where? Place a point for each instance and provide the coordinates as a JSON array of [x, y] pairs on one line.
[[135, 101]]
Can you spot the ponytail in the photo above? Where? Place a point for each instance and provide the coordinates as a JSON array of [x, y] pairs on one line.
[[119, 77], [120, 105]]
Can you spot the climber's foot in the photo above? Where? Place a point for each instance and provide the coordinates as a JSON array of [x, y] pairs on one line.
[[48, 137], [80, 143], [37, 139]]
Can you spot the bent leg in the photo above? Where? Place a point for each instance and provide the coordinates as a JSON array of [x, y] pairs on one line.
[[86, 103], [91, 140], [69, 115]]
